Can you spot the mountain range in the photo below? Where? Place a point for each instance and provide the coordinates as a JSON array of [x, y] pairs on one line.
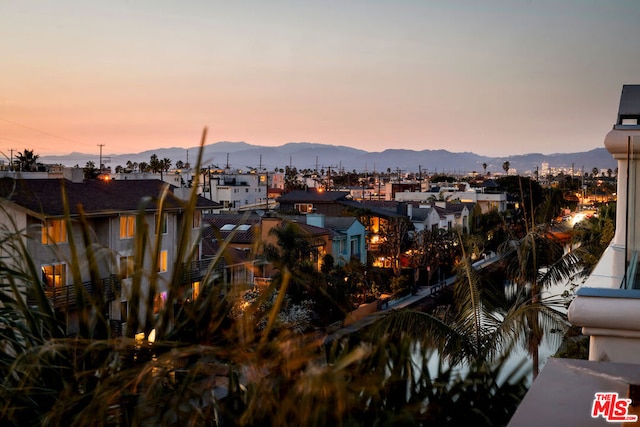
[[305, 155]]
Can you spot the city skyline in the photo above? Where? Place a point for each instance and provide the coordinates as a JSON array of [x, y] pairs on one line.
[[498, 78]]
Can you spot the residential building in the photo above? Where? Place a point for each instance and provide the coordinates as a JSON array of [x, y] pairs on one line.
[[240, 263], [487, 200], [329, 203], [393, 188], [347, 238], [387, 226], [441, 216], [110, 209], [318, 238], [236, 190]]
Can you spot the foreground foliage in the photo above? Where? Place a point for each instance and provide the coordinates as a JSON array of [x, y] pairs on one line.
[[210, 366]]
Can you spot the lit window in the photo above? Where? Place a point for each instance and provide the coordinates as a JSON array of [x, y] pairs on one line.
[[126, 266], [197, 219], [304, 208], [54, 231], [54, 275], [159, 302], [127, 226], [195, 290], [162, 262], [163, 225]]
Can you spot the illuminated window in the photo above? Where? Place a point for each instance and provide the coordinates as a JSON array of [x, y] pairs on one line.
[[159, 301], [195, 287], [163, 224], [126, 266], [127, 226], [54, 275], [304, 208], [197, 219], [162, 262], [54, 231]]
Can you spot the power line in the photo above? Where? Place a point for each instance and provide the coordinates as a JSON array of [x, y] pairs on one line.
[[10, 139], [41, 131]]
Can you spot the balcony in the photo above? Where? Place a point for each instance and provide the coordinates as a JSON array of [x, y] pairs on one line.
[[607, 306], [65, 297], [194, 271]]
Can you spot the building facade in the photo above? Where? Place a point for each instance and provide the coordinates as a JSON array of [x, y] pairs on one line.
[[85, 232]]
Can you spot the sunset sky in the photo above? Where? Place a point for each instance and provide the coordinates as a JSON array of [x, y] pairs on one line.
[[494, 77]]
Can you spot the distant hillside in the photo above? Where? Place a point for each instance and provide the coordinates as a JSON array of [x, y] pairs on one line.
[[303, 155]]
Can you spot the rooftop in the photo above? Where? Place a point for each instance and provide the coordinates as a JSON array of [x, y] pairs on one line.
[[44, 196]]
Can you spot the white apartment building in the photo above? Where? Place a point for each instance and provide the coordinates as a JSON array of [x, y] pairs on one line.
[[487, 201], [236, 190]]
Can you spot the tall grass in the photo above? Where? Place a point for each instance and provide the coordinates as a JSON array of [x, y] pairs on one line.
[[206, 367]]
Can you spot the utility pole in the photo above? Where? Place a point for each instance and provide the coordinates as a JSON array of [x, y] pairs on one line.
[[100, 164], [11, 150], [267, 188], [210, 184]]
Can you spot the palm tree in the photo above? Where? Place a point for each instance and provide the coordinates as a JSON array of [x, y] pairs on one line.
[[506, 166], [90, 170], [155, 164], [27, 160], [166, 164], [484, 166], [533, 263]]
